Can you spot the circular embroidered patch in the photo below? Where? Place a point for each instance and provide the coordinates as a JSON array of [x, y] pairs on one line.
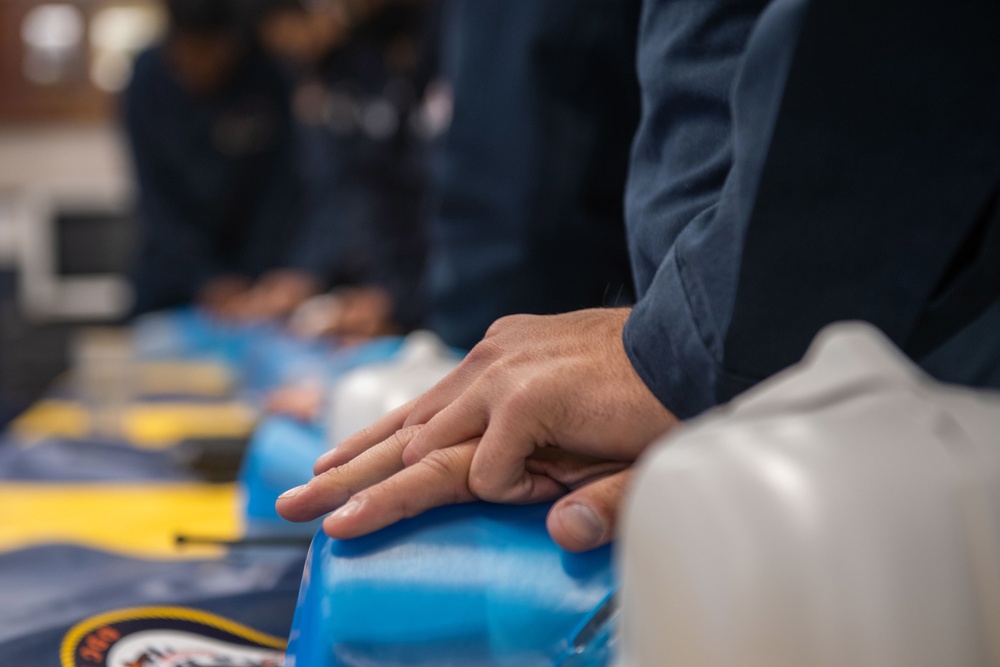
[[168, 637]]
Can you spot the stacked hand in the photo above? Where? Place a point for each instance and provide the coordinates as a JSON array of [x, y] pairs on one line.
[[276, 294], [355, 314], [542, 408], [217, 293]]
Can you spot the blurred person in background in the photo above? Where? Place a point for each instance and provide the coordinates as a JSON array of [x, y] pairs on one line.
[[540, 100], [209, 121], [531, 174], [779, 183], [363, 68]]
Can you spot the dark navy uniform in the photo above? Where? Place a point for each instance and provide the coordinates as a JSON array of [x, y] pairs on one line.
[[219, 186], [833, 160], [531, 173], [367, 159]]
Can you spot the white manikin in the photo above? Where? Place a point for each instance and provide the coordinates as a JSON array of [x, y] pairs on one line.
[[844, 514], [362, 396]]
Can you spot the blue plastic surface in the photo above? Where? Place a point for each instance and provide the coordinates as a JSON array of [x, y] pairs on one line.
[[273, 358], [190, 333], [280, 456], [263, 355], [465, 585], [282, 451]]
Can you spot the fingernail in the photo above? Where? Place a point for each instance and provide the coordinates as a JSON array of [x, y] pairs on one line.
[[350, 509], [293, 492], [582, 523]]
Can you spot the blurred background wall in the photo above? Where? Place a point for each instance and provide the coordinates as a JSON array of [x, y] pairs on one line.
[[65, 200]]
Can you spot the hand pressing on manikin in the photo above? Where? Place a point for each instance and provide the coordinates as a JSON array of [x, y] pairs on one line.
[[544, 407]]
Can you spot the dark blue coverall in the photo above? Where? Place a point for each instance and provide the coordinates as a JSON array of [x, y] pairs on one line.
[[825, 160], [220, 189], [366, 162], [530, 176]]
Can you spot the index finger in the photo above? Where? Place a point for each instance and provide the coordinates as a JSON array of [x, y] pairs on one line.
[[441, 478], [331, 489], [364, 439]]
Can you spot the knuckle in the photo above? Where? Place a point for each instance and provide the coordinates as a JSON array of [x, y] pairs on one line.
[[486, 486], [403, 436], [334, 484], [371, 434], [499, 326], [508, 322], [408, 509], [441, 463], [446, 466], [485, 351]]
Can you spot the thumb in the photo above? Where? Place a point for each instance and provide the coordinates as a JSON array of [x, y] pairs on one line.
[[587, 518]]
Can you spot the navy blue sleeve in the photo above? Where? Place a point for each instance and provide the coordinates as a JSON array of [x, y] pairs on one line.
[[531, 174], [863, 185], [690, 54]]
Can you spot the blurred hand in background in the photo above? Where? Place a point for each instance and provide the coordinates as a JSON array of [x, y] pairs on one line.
[[354, 314], [276, 294]]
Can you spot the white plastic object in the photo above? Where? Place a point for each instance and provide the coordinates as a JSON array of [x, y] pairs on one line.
[[311, 318], [846, 512], [364, 395]]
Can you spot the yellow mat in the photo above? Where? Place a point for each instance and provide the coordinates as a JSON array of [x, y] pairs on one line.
[[144, 425], [135, 520], [156, 425]]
